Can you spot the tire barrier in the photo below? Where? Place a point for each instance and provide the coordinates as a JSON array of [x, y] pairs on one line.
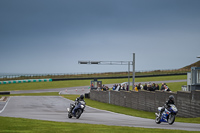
[[4, 93], [25, 81], [87, 95]]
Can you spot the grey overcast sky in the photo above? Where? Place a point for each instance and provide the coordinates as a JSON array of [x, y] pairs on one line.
[[51, 36]]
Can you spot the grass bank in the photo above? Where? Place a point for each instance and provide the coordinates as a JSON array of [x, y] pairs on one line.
[[19, 125]]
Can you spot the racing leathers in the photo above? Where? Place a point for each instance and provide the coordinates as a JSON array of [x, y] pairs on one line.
[[168, 102], [77, 104]]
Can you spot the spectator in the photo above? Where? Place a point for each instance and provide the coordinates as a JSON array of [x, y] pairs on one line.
[[167, 88], [113, 87], [149, 87], [157, 87], [133, 87], [127, 88], [122, 87], [91, 86], [136, 89], [145, 86], [107, 88], [119, 87], [139, 87], [116, 86], [104, 88], [153, 86], [162, 87]]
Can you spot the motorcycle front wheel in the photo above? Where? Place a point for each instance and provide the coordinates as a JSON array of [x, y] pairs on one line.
[[171, 119], [78, 113]]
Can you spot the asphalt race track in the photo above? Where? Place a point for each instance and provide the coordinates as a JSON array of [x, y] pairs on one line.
[[53, 108]]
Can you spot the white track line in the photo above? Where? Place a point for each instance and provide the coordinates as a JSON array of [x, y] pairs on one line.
[[5, 105]]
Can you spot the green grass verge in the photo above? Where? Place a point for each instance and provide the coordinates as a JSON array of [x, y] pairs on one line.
[[74, 83], [19, 125]]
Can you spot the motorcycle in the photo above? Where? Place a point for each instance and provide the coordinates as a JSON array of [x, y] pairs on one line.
[[79, 110], [168, 115]]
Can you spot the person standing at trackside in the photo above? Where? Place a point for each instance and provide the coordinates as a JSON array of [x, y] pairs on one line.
[[113, 87], [162, 87], [136, 89], [139, 87], [119, 87], [157, 87], [153, 86], [166, 88], [123, 87], [149, 87], [127, 88], [145, 86], [104, 88]]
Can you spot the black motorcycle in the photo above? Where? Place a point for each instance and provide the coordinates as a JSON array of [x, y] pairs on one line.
[[80, 108]]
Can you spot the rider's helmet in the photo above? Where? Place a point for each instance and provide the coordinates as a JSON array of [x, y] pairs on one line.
[[81, 97], [171, 97]]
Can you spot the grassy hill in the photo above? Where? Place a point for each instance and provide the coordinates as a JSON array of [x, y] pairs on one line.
[[196, 64]]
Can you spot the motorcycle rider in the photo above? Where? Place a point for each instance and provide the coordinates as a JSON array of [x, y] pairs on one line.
[[77, 103], [168, 102]]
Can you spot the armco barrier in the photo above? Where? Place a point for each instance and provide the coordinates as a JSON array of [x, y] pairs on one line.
[[25, 81], [188, 103]]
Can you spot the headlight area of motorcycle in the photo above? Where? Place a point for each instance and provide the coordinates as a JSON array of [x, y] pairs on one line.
[[174, 108], [82, 106]]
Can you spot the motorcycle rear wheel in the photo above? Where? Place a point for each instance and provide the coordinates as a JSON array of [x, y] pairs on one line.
[[157, 120]]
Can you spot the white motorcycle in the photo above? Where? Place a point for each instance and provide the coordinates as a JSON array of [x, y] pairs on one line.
[[168, 115]]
